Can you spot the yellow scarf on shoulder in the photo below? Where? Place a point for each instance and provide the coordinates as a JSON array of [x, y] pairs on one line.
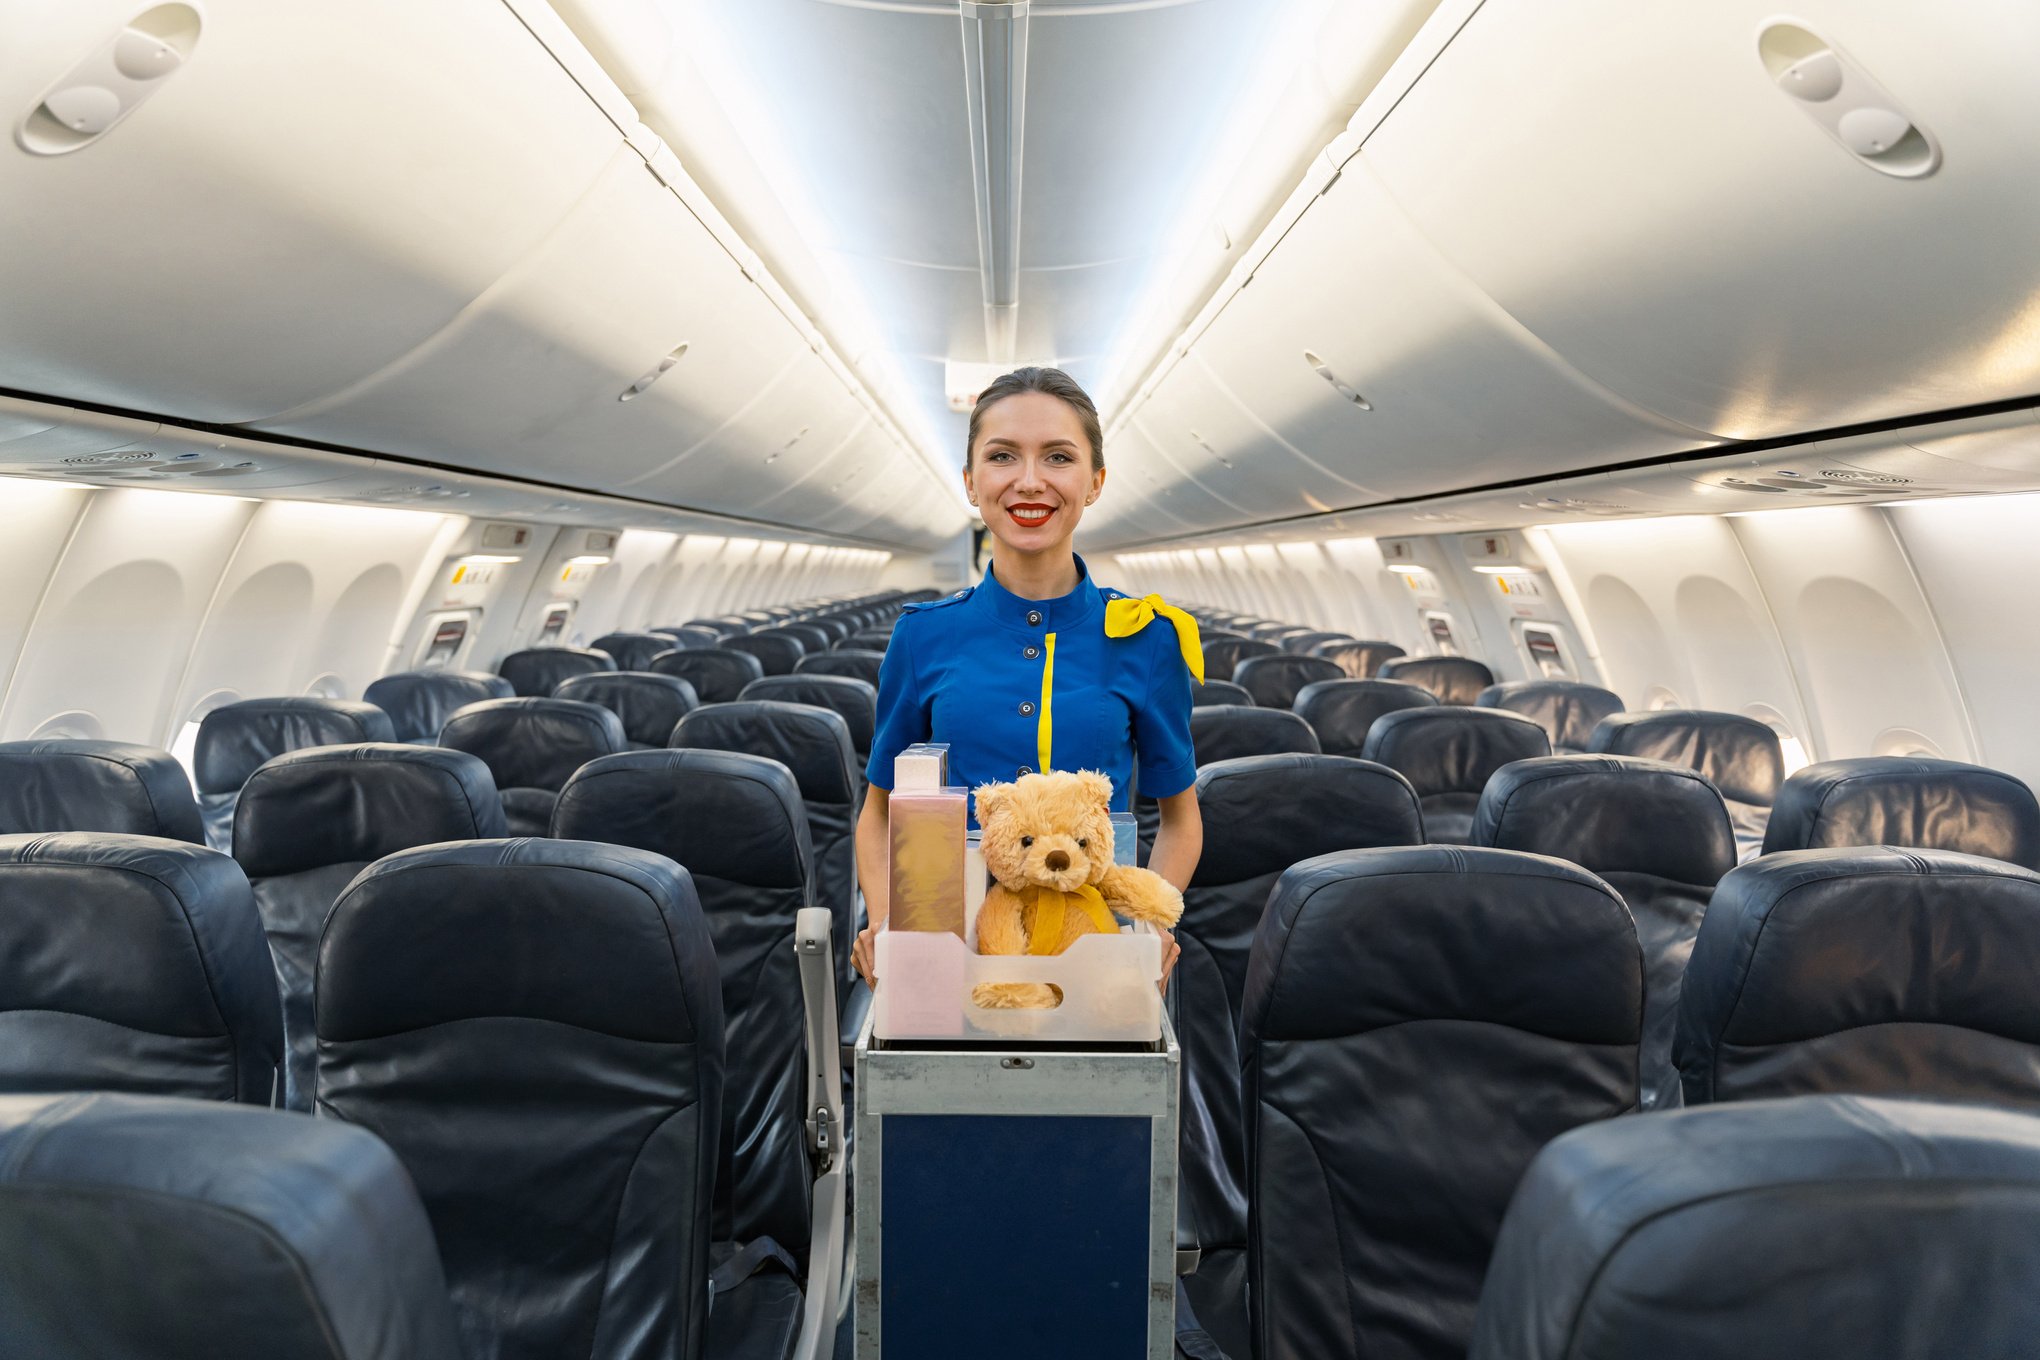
[[1051, 906], [1124, 618]]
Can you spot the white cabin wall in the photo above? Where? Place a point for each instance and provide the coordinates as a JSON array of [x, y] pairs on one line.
[[620, 598]]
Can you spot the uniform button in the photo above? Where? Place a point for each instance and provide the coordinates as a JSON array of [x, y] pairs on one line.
[[1026, 709], [1033, 652], [1026, 770], [1034, 617]]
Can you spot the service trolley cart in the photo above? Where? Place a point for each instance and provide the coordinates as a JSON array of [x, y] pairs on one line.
[[1015, 1200]]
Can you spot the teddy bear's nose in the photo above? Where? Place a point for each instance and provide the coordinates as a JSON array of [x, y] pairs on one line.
[[1057, 861]]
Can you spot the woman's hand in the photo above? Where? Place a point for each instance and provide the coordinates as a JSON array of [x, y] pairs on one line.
[[862, 955], [1171, 951]]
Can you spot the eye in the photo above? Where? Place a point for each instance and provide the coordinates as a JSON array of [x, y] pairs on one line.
[[1026, 841], [1083, 844], [999, 456]]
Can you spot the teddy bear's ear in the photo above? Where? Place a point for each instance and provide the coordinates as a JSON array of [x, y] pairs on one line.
[[1096, 787], [990, 798]]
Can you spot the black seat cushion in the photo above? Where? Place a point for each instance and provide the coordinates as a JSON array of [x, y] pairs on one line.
[[532, 747], [856, 663], [1658, 833], [309, 821], [734, 821], [777, 650], [1274, 681], [534, 1027], [1742, 757], [1303, 644], [537, 672], [1448, 753], [1871, 971], [812, 637], [1341, 711], [868, 639], [854, 701], [135, 1226], [1360, 660], [95, 786], [631, 651], [1213, 693], [649, 705], [420, 702], [718, 674], [1261, 815], [1911, 801], [1778, 1230], [1454, 679], [1567, 710], [133, 963], [1418, 1023]]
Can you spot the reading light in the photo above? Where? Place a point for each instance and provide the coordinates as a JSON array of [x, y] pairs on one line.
[[54, 486], [1500, 571], [1402, 570], [586, 560], [995, 93], [488, 560]]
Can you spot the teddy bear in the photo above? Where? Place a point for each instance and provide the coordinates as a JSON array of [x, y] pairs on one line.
[[1047, 841]]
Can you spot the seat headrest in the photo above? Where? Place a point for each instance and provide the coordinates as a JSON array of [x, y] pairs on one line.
[[718, 674], [631, 651], [534, 673], [348, 804], [234, 740], [1227, 731], [95, 786], [648, 704], [854, 700], [1449, 749], [1910, 801], [419, 702], [131, 1220], [1610, 814], [1341, 711], [1772, 1230], [1274, 680], [1454, 679], [1360, 660], [1264, 813], [1362, 940], [1810, 943], [533, 743], [1222, 658], [812, 742], [420, 939], [856, 662], [1567, 710], [1741, 755], [1216, 693], [148, 934], [722, 814]]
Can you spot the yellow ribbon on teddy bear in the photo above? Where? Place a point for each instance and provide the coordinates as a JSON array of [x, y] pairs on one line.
[[1050, 907], [1124, 618]]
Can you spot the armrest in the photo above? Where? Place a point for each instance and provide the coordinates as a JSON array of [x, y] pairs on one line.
[[828, 1240]]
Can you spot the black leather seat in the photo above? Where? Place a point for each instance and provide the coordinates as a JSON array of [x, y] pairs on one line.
[[133, 963], [1418, 1023], [854, 701], [1341, 711], [718, 674], [776, 651], [135, 1227], [235, 739], [868, 640], [1360, 660], [735, 822], [310, 821], [1870, 971], [630, 651], [48, 785], [536, 672], [811, 636], [690, 635], [1223, 655], [722, 627], [1454, 679], [1261, 815], [1659, 834], [420, 702], [1739, 755], [1213, 693], [1275, 681], [1567, 710], [1910, 801], [1779, 1230], [532, 747], [1226, 732], [1302, 643], [1448, 754], [853, 662], [1270, 629], [649, 705]]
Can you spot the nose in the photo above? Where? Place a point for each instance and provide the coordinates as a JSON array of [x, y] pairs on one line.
[[1057, 861]]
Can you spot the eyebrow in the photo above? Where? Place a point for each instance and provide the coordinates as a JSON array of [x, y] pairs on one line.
[[1004, 442]]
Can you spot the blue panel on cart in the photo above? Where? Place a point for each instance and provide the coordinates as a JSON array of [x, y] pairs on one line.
[[1015, 1236]]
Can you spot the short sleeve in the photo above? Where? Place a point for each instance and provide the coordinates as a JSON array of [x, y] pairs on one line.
[[902, 713], [1166, 763]]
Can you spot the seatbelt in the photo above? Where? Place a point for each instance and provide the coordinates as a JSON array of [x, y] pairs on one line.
[[1192, 1341], [748, 1260]]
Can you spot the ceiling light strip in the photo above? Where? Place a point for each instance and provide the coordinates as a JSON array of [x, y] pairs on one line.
[[995, 95]]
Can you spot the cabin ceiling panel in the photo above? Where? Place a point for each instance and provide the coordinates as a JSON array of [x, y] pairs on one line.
[[1673, 224]]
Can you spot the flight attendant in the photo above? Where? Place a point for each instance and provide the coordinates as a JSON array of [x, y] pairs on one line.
[[1037, 667]]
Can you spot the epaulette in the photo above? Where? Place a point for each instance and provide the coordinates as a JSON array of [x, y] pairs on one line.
[[923, 606]]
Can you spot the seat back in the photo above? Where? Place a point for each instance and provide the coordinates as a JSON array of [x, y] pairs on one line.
[[718, 674], [534, 1028], [1830, 1226], [1454, 679], [1739, 755], [132, 963], [1448, 754], [1567, 710], [777, 652], [1274, 681], [856, 663], [1360, 660], [811, 636], [854, 701], [868, 639], [234, 740], [536, 672], [532, 747], [133, 1226], [1870, 971], [419, 702], [1213, 693], [1659, 834], [690, 635], [1910, 801], [95, 786], [648, 704], [309, 821], [1223, 655], [1397, 1003], [1302, 643], [630, 651], [1228, 731], [735, 822], [1261, 815], [1341, 711]]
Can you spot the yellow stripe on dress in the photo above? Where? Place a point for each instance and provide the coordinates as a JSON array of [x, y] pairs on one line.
[[1045, 729]]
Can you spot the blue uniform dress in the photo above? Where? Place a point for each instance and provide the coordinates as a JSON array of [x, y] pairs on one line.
[[978, 669]]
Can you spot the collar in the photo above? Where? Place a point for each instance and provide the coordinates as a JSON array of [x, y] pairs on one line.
[[1063, 613]]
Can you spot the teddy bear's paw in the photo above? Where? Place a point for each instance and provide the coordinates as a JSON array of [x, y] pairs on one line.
[[1016, 996], [1141, 895]]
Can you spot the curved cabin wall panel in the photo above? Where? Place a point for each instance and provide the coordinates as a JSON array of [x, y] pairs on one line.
[[319, 190], [1677, 227]]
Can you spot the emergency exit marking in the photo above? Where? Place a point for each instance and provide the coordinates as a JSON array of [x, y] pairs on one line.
[[458, 572]]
